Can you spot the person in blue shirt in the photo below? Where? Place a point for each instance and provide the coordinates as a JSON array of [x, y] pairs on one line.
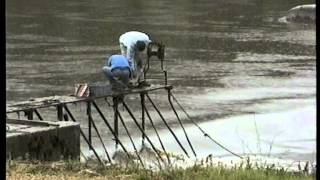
[[118, 71]]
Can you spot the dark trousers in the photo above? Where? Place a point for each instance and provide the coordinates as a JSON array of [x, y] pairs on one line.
[[118, 77]]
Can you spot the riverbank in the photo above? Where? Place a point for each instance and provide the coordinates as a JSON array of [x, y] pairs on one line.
[[75, 170]]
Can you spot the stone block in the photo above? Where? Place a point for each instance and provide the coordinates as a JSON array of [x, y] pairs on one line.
[[47, 141]]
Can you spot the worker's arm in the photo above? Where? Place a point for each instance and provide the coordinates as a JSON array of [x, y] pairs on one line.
[[109, 61], [130, 56], [107, 68]]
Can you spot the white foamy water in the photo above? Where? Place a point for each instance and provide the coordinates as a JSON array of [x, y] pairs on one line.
[[277, 131], [285, 139]]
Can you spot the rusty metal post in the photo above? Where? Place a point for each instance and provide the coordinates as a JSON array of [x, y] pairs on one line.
[[134, 146], [82, 134], [96, 129], [60, 112], [164, 121], [29, 114], [142, 96], [110, 128], [66, 117], [165, 78], [204, 133], [38, 114], [184, 131], [137, 124], [116, 114], [89, 121], [154, 127]]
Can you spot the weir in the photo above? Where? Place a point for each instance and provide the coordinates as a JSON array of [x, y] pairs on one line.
[[88, 95], [94, 112], [33, 108]]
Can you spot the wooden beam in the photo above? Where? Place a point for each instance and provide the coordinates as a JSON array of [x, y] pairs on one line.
[[57, 100]]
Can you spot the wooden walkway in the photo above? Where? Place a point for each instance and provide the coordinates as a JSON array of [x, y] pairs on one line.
[[57, 100]]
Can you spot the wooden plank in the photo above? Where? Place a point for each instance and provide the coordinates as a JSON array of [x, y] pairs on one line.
[[57, 100], [40, 103]]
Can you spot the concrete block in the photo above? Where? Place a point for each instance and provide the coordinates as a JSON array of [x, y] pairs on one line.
[[49, 141]]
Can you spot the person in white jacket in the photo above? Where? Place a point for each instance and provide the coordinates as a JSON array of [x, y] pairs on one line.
[[132, 44]]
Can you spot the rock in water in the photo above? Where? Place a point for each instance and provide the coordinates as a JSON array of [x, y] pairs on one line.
[[148, 153], [301, 14], [120, 157]]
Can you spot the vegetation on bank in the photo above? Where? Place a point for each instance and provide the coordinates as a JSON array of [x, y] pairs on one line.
[[75, 170]]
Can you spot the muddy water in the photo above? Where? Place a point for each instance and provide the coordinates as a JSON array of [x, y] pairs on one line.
[[230, 62]]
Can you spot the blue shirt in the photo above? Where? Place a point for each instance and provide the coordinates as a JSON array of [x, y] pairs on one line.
[[118, 61]]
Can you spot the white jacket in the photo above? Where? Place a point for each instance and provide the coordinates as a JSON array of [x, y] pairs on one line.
[[129, 40]]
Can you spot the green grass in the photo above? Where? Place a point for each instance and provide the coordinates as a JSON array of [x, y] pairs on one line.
[[75, 170]]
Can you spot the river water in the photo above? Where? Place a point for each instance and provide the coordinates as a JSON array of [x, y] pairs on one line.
[[248, 79]]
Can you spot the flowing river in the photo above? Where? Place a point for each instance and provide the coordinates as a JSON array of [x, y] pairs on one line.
[[247, 79]]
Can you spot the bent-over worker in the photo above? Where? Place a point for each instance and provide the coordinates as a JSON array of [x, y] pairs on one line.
[[132, 44], [117, 70]]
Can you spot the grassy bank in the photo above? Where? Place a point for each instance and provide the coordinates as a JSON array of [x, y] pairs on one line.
[[74, 170]]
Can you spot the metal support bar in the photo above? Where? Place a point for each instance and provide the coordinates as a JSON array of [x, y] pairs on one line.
[[154, 127], [60, 112], [184, 131], [115, 118], [83, 135], [165, 78], [38, 114], [175, 137], [66, 117], [136, 122], [99, 136], [89, 121], [204, 133], [110, 128], [146, 68], [29, 114], [128, 133], [142, 116]]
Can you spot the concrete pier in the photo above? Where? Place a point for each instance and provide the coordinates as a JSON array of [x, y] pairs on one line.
[[42, 140]]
